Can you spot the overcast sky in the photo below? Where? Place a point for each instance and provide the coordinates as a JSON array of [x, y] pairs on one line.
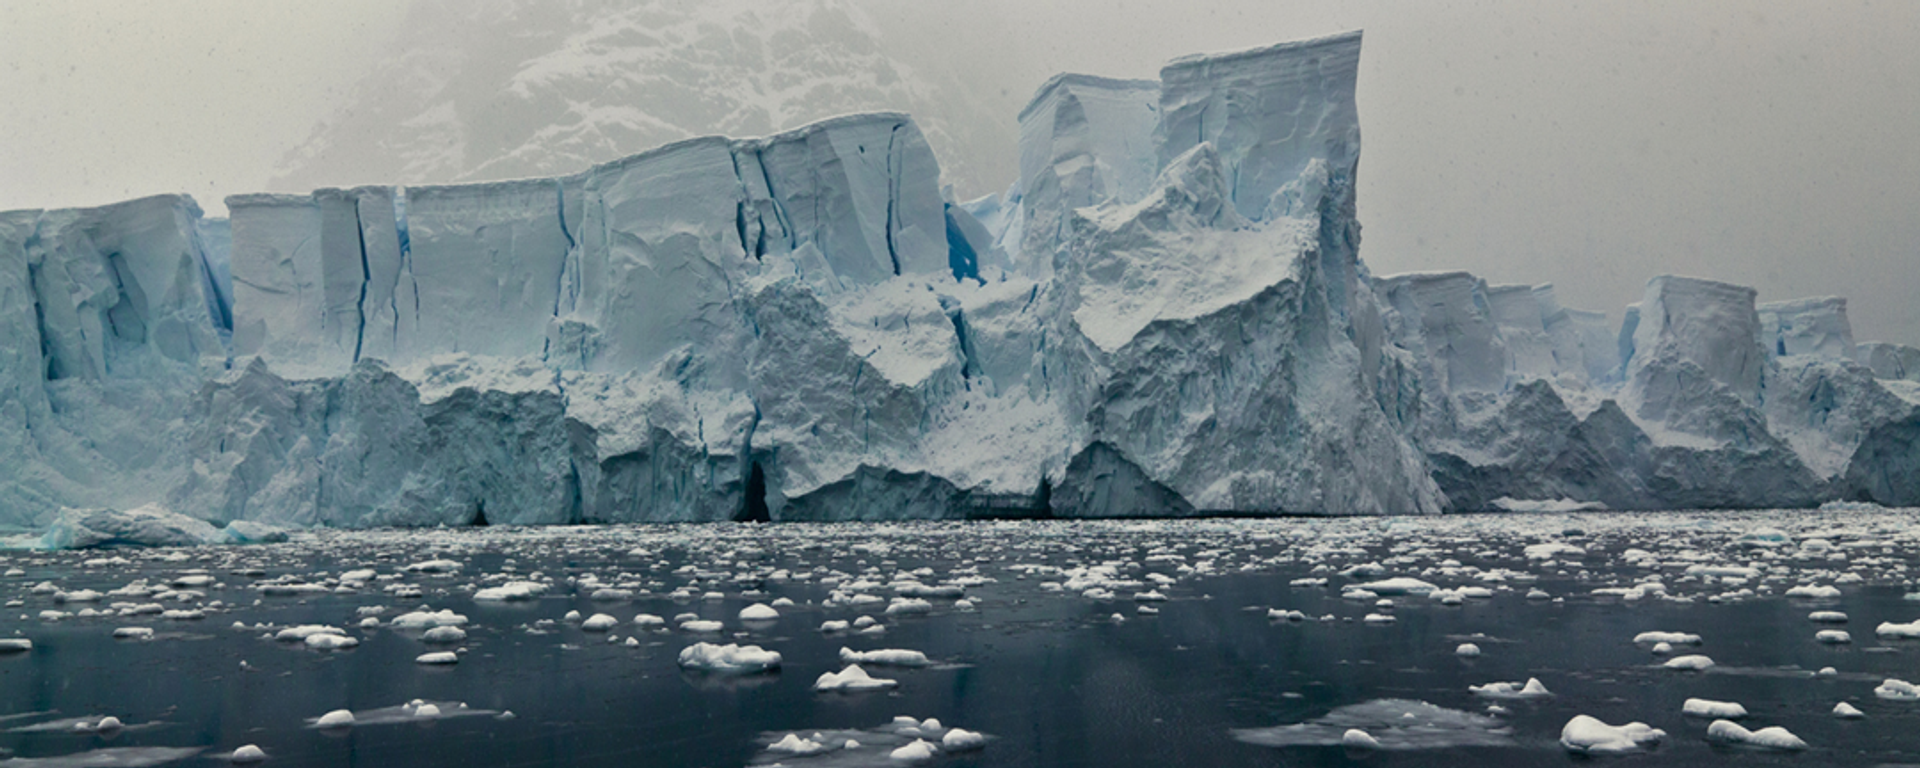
[[1589, 145]]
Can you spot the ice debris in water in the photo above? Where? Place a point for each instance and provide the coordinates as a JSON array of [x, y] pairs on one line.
[[599, 622], [728, 659], [853, 678], [1716, 709], [759, 612], [1692, 662], [1394, 725], [1355, 738], [1585, 734], [247, 753], [1847, 711], [437, 657], [1466, 650], [1532, 689], [886, 657], [1775, 737], [1895, 689]]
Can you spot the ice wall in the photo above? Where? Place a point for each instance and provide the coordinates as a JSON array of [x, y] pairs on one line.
[[1815, 326], [1084, 140], [1889, 361], [801, 327], [1269, 112]]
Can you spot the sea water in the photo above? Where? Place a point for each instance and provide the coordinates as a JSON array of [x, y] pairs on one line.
[[1176, 642]]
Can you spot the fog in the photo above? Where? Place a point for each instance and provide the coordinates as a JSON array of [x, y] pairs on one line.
[[1588, 145]]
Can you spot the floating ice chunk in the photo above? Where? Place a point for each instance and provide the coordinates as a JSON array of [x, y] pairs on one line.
[[434, 566], [1715, 709], [512, 590], [1466, 650], [1378, 618], [329, 642], [1538, 594], [599, 622], [648, 621], [1588, 735], [1775, 737], [1532, 689], [1396, 724], [304, 631], [1827, 672], [701, 626], [1827, 617], [610, 594], [853, 678], [1815, 591], [834, 625], [1847, 711], [909, 605], [419, 620], [1355, 738], [247, 753], [339, 718], [759, 612], [1551, 550], [1895, 689], [1833, 636], [1763, 538], [1277, 614], [1694, 662], [962, 740], [728, 659], [1399, 586], [1672, 638], [134, 633], [437, 657], [890, 657], [963, 604], [426, 710], [444, 634], [920, 749], [793, 744], [1910, 629]]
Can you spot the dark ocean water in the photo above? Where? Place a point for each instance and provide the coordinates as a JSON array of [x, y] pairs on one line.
[[1044, 669]]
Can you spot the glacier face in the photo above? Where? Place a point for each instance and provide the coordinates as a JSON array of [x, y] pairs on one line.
[[1165, 315]]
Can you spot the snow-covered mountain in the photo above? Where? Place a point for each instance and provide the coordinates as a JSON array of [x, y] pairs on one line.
[[1167, 315], [505, 89]]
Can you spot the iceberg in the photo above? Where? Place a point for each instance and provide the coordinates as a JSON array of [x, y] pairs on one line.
[[1166, 314]]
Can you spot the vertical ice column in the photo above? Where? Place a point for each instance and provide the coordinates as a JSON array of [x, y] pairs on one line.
[[124, 279], [1269, 111], [278, 285], [1693, 340], [1443, 318], [1084, 140], [863, 190], [1815, 326], [487, 262], [660, 259]]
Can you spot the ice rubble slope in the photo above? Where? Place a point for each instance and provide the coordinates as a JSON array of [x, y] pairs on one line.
[[801, 327]]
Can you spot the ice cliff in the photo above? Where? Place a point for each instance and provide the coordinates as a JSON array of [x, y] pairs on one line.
[[1165, 315]]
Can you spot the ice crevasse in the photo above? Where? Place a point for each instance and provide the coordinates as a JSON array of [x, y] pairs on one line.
[[1166, 314]]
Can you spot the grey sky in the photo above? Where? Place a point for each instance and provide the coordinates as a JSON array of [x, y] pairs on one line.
[[1771, 144]]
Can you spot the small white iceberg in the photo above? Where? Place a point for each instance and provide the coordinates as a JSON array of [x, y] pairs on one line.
[[1726, 710], [1532, 689], [893, 657], [853, 678], [1691, 662], [1775, 737], [728, 659], [1587, 735]]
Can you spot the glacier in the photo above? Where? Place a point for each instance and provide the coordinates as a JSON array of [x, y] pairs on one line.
[[1166, 314]]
